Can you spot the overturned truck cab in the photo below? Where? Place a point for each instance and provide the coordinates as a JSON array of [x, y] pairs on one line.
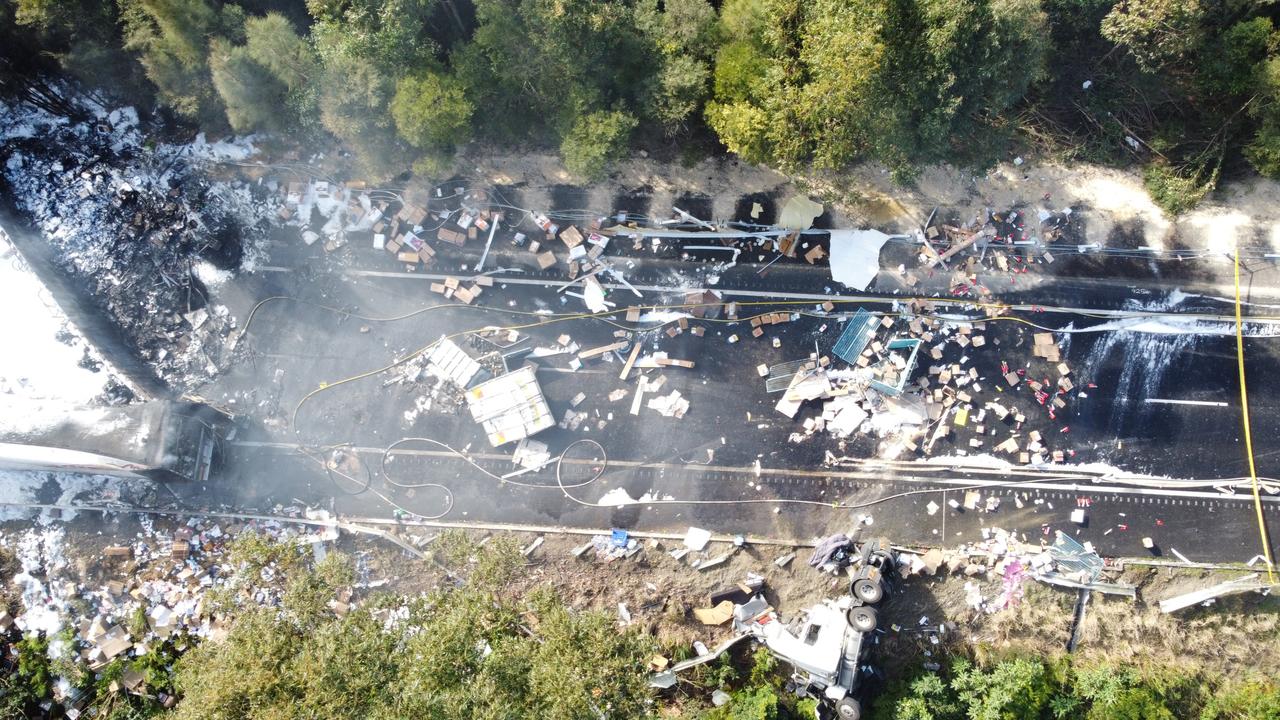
[[825, 650], [174, 440], [825, 644]]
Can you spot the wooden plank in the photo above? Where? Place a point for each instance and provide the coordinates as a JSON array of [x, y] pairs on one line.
[[631, 360], [596, 352], [635, 401], [957, 248]]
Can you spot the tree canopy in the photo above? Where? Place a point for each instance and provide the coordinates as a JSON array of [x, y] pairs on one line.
[[1018, 687], [456, 653], [1185, 89], [899, 81]]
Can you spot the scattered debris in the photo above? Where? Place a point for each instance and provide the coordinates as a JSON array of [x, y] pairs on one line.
[[131, 221]]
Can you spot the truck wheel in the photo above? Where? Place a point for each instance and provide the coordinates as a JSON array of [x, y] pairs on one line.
[[868, 590], [863, 618], [848, 709]]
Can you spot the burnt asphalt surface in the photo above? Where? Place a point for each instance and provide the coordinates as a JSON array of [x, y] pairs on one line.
[[294, 347]]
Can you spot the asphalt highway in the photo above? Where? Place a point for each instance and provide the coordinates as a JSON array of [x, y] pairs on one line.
[[732, 446]]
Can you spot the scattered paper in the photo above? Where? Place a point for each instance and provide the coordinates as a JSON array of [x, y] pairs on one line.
[[697, 538]]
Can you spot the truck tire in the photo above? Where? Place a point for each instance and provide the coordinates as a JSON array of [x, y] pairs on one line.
[[848, 709], [863, 618], [868, 589]]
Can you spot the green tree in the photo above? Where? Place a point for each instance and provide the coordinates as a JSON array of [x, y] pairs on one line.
[[431, 111], [84, 36], [680, 89], [901, 81], [1191, 82], [741, 61], [250, 93], [684, 35], [948, 69], [172, 40], [596, 139], [679, 26], [271, 42], [353, 106], [454, 654], [740, 68], [224, 680], [1263, 151], [365, 47], [1158, 33], [536, 68], [743, 128], [606, 665], [1236, 63], [392, 34]]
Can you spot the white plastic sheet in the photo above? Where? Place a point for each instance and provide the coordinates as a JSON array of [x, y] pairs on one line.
[[855, 256]]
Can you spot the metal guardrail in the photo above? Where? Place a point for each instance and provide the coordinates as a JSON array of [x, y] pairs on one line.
[[1230, 587]]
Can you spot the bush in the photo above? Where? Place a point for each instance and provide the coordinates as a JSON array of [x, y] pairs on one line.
[[1257, 699], [1178, 191], [1017, 689], [1029, 687]]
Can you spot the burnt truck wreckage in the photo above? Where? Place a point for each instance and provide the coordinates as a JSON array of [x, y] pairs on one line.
[[157, 440], [826, 644], [138, 227]]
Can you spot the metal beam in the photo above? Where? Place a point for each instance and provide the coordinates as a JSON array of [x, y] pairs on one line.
[[1230, 587]]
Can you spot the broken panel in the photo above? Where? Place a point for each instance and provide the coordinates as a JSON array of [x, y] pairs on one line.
[[510, 407], [857, 333], [912, 346], [447, 361], [780, 375]]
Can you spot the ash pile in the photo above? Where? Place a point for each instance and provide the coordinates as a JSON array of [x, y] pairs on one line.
[[140, 227]]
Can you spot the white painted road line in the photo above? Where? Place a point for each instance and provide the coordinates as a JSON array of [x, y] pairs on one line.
[[1206, 403], [1031, 484], [816, 298]]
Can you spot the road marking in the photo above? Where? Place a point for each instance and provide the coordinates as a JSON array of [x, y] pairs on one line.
[[1056, 484], [1248, 433], [815, 297], [1206, 403]]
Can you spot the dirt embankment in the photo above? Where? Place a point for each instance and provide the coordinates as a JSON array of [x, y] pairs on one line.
[[660, 593], [1118, 207]]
